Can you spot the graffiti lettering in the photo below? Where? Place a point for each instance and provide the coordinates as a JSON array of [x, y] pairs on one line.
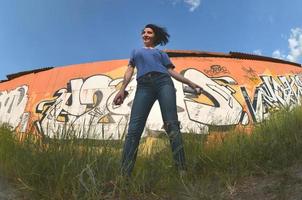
[[225, 109], [216, 69], [12, 106], [273, 94], [81, 108], [86, 106]]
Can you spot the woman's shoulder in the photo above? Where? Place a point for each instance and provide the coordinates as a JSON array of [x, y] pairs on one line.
[[136, 50], [163, 53], [143, 50]]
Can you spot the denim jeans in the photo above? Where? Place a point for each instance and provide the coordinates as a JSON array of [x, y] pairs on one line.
[[152, 87]]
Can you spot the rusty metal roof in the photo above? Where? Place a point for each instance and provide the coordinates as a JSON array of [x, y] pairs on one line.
[[15, 75], [184, 53], [236, 55], [187, 53], [262, 58]]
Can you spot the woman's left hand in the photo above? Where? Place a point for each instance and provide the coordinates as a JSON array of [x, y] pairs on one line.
[[197, 88], [184, 80]]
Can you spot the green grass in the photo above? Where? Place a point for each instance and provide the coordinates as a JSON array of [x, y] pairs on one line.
[[89, 169]]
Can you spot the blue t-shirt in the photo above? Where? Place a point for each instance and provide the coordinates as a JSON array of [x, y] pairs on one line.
[[149, 60]]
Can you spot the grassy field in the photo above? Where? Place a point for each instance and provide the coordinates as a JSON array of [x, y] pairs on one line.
[[89, 169]]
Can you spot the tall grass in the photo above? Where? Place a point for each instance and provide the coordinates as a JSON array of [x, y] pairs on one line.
[[89, 169]]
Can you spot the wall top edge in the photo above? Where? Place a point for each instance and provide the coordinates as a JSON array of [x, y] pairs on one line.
[[231, 54], [183, 53]]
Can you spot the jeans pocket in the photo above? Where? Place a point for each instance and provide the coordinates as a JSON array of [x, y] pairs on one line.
[[141, 80], [164, 75], [165, 79]]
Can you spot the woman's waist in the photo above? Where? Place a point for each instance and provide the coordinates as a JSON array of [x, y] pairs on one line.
[[155, 78], [152, 74]]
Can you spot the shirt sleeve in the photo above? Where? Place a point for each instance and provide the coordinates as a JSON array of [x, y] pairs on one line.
[[131, 60], [166, 60]]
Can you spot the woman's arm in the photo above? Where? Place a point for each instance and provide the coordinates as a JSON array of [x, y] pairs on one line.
[[120, 96], [182, 79], [127, 77]]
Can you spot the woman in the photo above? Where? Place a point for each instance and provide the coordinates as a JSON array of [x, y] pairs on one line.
[[154, 71]]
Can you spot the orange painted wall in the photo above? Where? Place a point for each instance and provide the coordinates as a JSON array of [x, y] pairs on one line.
[[245, 72]]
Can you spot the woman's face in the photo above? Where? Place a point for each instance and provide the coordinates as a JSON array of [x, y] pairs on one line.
[[148, 37]]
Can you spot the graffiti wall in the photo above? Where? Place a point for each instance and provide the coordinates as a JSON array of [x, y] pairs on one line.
[[77, 99]]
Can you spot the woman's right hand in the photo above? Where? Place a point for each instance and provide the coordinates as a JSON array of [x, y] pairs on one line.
[[122, 94], [119, 97]]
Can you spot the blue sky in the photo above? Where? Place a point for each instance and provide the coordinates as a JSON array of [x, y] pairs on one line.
[[46, 33]]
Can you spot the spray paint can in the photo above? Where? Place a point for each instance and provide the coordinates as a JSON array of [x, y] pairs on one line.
[[188, 89]]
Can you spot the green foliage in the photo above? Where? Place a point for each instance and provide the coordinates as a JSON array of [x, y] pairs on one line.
[[69, 168]]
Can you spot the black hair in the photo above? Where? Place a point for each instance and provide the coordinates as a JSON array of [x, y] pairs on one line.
[[161, 34]]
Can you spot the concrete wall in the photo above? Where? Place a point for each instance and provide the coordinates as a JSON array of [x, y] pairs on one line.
[[237, 92]]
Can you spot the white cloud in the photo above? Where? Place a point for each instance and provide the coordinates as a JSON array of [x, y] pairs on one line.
[[278, 54], [258, 52], [174, 2], [193, 4], [295, 45]]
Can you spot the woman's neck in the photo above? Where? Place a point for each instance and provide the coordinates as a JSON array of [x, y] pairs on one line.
[[149, 47]]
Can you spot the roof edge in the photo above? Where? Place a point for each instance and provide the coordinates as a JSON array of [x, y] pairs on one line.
[[262, 58], [16, 75], [231, 54], [183, 53]]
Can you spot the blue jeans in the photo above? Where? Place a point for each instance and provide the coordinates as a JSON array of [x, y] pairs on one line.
[[152, 87]]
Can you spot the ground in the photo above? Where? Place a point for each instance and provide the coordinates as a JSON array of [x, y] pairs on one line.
[[7, 192], [285, 184], [279, 185]]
